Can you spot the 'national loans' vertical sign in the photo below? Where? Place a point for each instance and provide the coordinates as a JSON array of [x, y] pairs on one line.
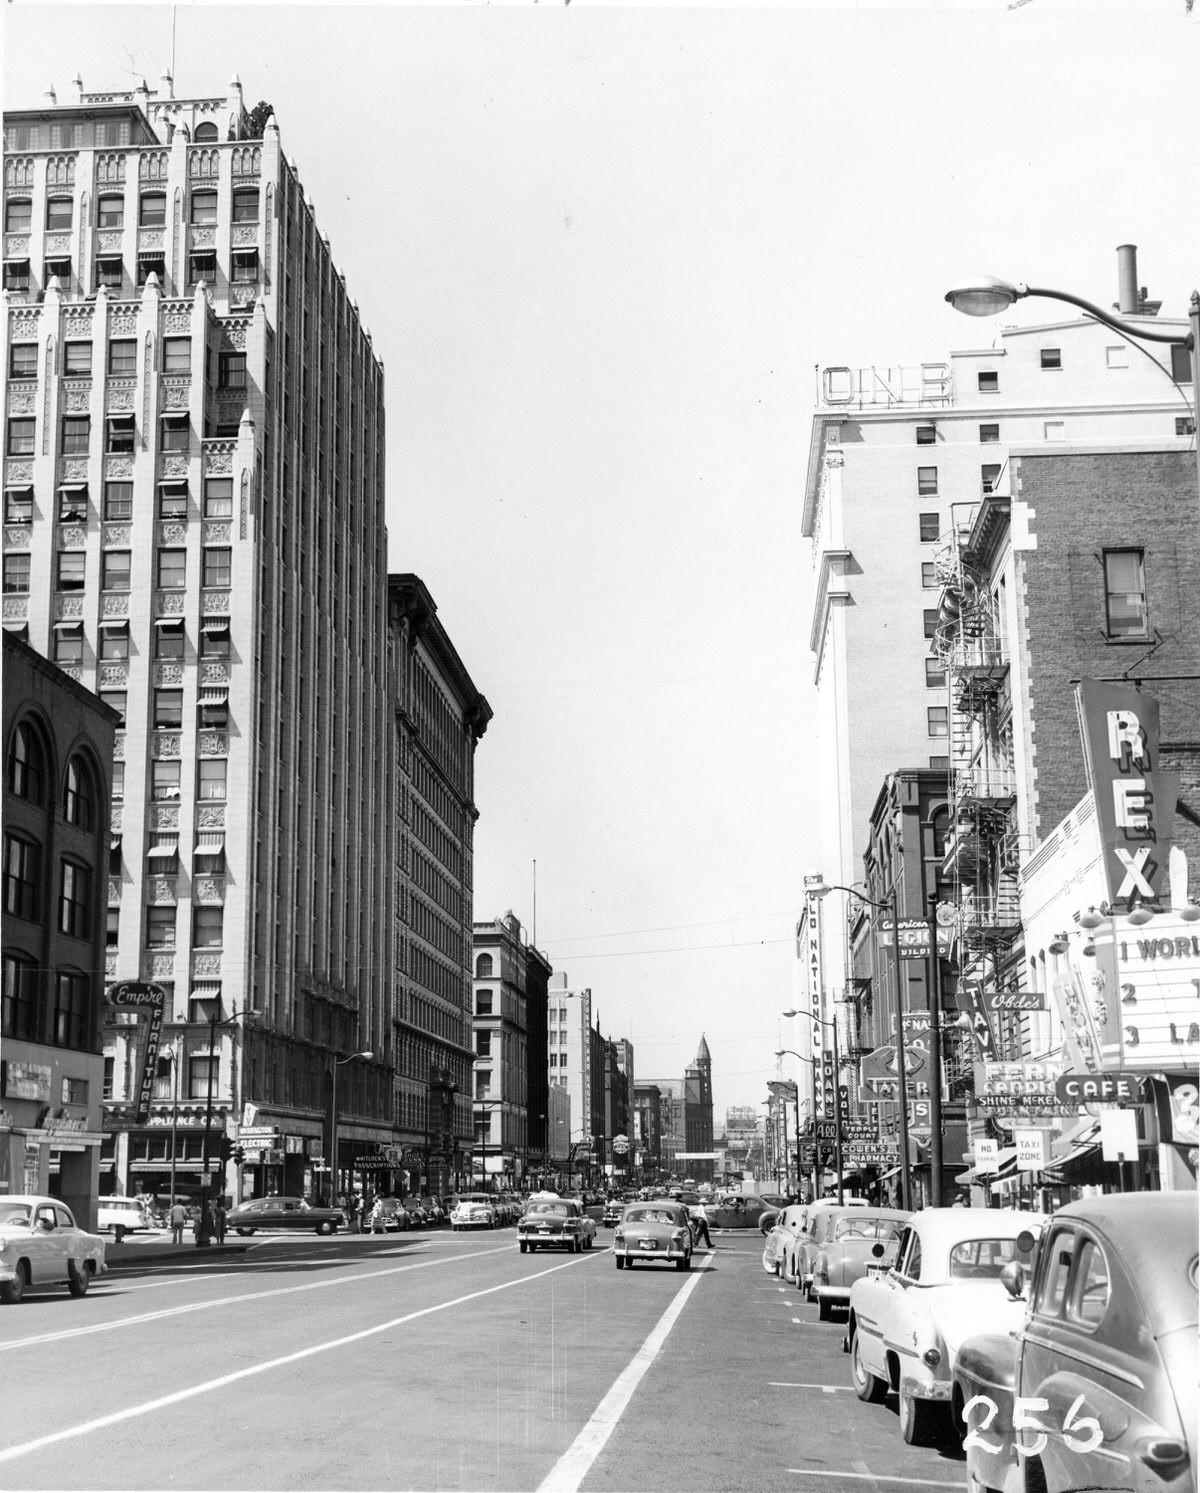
[[1135, 799]]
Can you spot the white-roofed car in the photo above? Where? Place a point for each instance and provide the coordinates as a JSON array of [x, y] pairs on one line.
[[846, 1249], [654, 1231], [41, 1245], [121, 1215], [553, 1222], [473, 1210], [939, 1284], [782, 1235]]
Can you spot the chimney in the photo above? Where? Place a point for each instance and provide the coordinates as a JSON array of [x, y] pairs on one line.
[[1127, 282]]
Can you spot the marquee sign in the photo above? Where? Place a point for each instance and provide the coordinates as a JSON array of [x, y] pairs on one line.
[[139, 996]]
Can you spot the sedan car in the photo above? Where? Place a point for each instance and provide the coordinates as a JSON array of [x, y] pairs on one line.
[[908, 1322], [844, 1251], [1103, 1367], [41, 1245], [474, 1210], [612, 1213], [388, 1216], [653, 1232], [783, 1234], [553, 1222], [283, 1213], [737, 1210]]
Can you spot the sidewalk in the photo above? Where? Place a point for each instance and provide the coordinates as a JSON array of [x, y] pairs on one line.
[[155, 1246]]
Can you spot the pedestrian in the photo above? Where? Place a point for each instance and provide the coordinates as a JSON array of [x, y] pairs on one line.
[[218, 1218], [178, 1217], [699, 1216]]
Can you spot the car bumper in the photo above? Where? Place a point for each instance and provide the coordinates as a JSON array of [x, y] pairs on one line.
[[925, 1387], [835, 1295], [635, 1252]]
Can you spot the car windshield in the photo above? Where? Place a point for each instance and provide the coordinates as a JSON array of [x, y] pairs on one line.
[[547, 1210], [649, 1215], [866, 1228], [983, 1259], [15, 1213]]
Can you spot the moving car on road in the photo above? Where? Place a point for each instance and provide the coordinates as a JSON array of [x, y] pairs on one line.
[[473, 1210], [908, 1322], [388, 1216], [845, 1250], [1103, 1364], [612, 1213], [41, 1245], [283, 1213], [121, 1215], [552, 1222], [652, 1232]]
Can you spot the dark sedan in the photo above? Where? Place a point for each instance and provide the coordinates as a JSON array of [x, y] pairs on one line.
[[1099, 1388], [283, 1213]]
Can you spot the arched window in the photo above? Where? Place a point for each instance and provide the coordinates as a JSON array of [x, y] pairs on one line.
[[26, 765], [483, 967], [79, 795], [206, 131]]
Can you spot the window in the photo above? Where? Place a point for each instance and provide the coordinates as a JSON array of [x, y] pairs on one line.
[[164, 780], [232, 370], [152, 210], [931, 619], [939, 764], [77, 359], [483, 1044], [1126, 612], [168, 709], [20, 1000], [927, 481], [214, 710], [218, 497], [22, 874], [245, 205], [76, 432], [204, 207], [114, 643], [168, 639], [68, 646], [160, 927], [989, 475], [1117, 356], [18, 215], [116, 566], [206, 927], [122, 357], [60, 213], [926, 435], [18, 505], [151, 263], [988, 434], [22, 360], [1054, 1275], [1054, 430], [245, 266], [71, 575], [16, 274], [937, 719], [483, 1087], [483, 1002], [1051, 357], [21, 436], [74, 896], [110, 273], [206, 131], [989, 382], [110, 211], [119, 440], [211, 778], [217, 567], [56, 267], [929, 579], [73, 502], [115, 700], [202, 265], [1181, 364], [1089, 1286], [26, 765], [172, 570], [1185, 425], [74, 1091], [118, 501], [172, 500], [935, 674], [177, 355], [163, 856], [203, 1074], [16, 574], [175, 433], [214, 639]]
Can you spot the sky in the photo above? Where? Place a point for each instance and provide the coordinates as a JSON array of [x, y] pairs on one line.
[[601, 251]]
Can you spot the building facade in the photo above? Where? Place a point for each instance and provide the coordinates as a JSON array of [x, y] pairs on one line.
[[570, 1060], [194, 529], [58, 751]]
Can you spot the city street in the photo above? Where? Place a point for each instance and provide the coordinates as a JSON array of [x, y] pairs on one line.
[[440, 1361]]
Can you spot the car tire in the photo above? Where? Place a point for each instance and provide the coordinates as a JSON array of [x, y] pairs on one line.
[[79, 1278], [824, 1309], [11, 1291], [921, 1421], [868, 1387], [620, 1259], [325, 1228], [245, 1231]]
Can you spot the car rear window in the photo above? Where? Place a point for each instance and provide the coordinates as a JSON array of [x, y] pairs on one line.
[[547, 1210], [858, 1227], [983, 1259]]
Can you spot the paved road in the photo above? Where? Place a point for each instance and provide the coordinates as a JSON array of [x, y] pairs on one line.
[[440, 1361]]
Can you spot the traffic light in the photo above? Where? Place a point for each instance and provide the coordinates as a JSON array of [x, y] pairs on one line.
[[239, 1154], [224, 1149]]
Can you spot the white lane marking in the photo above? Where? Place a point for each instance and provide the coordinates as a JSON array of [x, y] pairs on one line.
[[148, 1407], [826, 1389], [575, 1463], [200, 1306], [876, 1477]]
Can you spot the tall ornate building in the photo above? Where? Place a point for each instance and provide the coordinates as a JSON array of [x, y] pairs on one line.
[[194, 529], [698, 1111]]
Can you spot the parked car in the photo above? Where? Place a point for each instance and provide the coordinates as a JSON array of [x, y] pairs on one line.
[[818, 1227], [41, 1245], [388, 1216], [908, 1321], [121, 1215], [612, 1213], [789, 1249], [553, 1222], [845, 1251], [283, 1213], [1104, 1359], [783, 1233], [474, 1210], [435, 1213], [654, 1231]]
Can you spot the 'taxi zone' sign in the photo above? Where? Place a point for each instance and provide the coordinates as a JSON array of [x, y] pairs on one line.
[[1135, 799]]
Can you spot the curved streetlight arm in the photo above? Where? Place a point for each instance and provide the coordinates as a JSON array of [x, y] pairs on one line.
[[1178, 339]]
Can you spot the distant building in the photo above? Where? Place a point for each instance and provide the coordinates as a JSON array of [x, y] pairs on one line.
[[698, 1116], [570, 1060]]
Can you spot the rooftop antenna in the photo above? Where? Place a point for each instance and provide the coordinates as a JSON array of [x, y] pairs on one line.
[[533, 928]]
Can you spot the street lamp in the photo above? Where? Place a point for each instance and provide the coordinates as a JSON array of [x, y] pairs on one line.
[[837, 1069], [901, 1065], [204, 1231], [986, 295], [333, 1119]]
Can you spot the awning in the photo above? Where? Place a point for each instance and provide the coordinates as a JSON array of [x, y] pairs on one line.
[[114, 624], [1004, 1159], [215, 624], [883, 1176], [68, 624], [210, 844], [165, 847], [168, 621], [205, 992], [213, 696], [149, 254], [15, 624], [72, 487]]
